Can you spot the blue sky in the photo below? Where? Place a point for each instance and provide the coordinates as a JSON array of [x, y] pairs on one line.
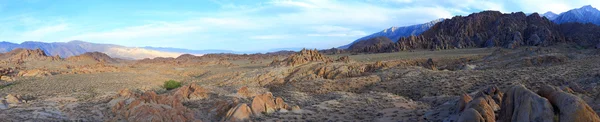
[[240, 25]]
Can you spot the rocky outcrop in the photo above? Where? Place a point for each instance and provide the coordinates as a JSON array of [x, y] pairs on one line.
[[261, 104], [93, 56], [304, 56], [191, 92], [570, 107], [522, 105], [149, 106], [21, 55], [374, 45]]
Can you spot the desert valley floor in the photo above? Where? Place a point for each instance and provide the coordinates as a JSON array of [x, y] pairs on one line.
[[493, 84]]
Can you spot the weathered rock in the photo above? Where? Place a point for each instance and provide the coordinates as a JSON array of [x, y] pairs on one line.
[[570, 107], [485, 110], [470, 115], [462, 102], [192, 92], [519, 104], [240, 113], [430, 64], [150, 107], [258, 106]]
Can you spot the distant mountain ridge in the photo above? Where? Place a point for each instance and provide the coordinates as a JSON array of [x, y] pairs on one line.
[[550, 15], [585, 14], [395, 33], [73, 48]]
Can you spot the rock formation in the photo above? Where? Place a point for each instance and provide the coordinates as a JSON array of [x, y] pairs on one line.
[[240, 113], [304, 56], [571, 108], [191, 92], [519, 104], [149, 106]]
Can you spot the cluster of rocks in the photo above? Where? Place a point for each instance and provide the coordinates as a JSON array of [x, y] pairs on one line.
[[304, 56], [150, 106], [520, 104], [345, 59], [261, 104]]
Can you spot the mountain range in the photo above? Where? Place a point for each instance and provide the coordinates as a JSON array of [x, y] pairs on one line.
[[395, 33], [73, 48], [585, 14]]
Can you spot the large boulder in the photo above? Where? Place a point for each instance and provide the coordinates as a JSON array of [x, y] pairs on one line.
[[570, 107], [240, 113], [470, 115], [519, 104]]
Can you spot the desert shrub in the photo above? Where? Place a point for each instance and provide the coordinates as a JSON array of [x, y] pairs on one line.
[[171, 84]]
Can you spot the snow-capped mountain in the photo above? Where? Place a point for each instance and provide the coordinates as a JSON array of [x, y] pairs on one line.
[[585, 14], [395, 33], [550, 15]]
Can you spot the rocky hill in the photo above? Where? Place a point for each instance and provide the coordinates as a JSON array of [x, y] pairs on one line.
[[376, 44], [21, 55], [93, 56]]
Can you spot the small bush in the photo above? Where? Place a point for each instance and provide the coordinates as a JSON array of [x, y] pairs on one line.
[[171, 84]]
